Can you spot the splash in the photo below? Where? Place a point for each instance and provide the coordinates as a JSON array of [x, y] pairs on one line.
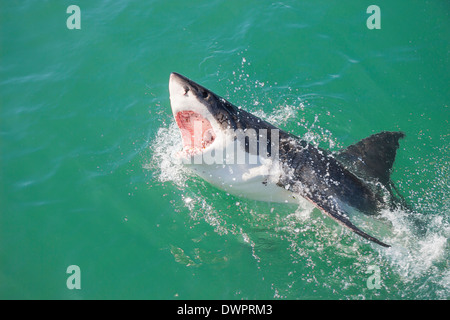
[[164, 163]]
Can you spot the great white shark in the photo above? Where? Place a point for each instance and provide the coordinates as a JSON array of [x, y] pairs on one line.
[[238, 152]]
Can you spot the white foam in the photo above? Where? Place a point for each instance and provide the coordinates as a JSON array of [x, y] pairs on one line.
[[165, 162], [416, 256]]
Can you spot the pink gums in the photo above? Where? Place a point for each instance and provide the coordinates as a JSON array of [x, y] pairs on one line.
[[196, 131]]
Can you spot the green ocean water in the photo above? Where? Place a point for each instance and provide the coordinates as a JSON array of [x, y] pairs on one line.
[[87, 138]]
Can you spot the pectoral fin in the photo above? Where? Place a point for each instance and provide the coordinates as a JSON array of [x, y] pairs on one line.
[[331, 208]]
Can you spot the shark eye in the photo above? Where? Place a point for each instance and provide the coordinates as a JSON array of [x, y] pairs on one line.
[[186, 89], [205, 94]]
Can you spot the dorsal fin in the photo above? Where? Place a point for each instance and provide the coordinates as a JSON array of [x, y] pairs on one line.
[[372, 157]]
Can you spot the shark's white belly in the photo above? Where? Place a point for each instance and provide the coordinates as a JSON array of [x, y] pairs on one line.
[[252, 182], [253, 177]]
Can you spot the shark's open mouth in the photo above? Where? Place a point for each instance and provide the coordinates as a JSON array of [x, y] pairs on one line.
[[196, 131]]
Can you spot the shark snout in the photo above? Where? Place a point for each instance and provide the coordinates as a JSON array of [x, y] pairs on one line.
[[178, 85]]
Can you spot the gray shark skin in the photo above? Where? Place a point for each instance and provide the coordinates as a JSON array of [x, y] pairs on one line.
[[357, 177]]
